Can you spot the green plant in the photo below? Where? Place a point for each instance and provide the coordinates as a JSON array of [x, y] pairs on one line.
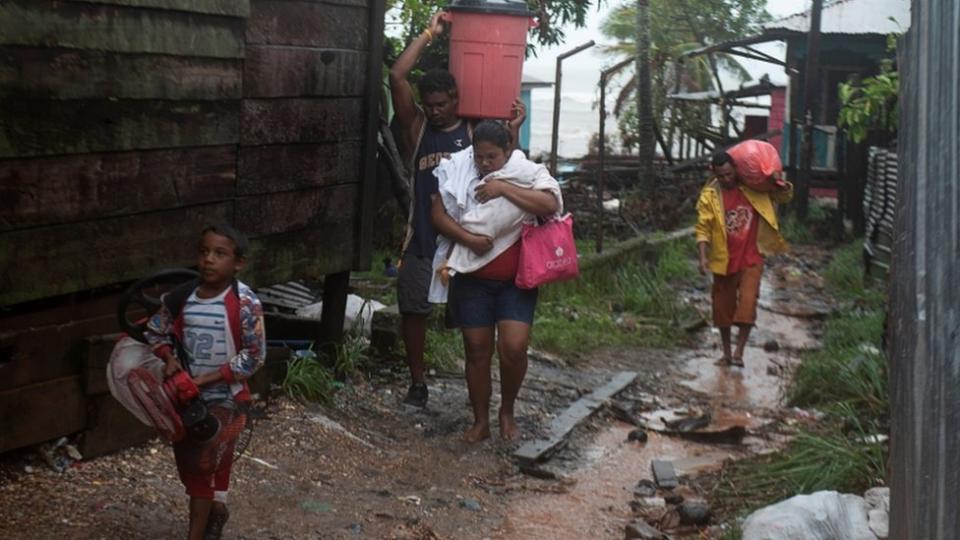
[[624, 300], [871, 103], [444, 349], [308, 380], [349, 354]]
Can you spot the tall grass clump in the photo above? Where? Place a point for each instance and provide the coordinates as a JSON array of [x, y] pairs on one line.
[[308, 380]]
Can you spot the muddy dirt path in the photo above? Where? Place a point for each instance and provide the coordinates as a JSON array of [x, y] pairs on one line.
[[607, 466], [368, 467]]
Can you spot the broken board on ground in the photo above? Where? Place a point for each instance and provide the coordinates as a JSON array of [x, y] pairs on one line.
[[580, 410]]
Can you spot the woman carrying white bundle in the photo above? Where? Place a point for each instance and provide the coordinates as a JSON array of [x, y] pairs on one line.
[[486, 194]]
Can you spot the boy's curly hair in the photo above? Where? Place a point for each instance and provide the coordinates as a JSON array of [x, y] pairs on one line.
[[240, 242]]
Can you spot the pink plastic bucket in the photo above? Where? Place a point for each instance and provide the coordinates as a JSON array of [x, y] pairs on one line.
[[487, 47]]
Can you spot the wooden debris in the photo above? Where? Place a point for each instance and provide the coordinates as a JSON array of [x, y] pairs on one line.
[[579, 411]]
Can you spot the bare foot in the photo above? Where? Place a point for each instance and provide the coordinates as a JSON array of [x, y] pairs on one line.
[[723, 361], [509, 431], [476, 433]]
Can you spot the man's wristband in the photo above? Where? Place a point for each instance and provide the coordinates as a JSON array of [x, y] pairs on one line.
[[429, 34]]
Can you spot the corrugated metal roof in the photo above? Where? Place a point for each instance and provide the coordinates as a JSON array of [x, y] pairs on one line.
[[852, 17]]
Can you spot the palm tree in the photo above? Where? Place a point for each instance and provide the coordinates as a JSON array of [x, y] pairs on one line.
[[675, 27], [645, 142]]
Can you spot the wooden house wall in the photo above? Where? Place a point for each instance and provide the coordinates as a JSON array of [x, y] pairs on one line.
[[126, 125]]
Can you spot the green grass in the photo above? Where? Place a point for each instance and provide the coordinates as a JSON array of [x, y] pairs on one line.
[[444, 349], [817, 227], [630, 300], [850, 367], [838, 455], [308, 380]]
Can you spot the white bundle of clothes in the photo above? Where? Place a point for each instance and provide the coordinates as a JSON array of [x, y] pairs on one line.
[[498, 218]]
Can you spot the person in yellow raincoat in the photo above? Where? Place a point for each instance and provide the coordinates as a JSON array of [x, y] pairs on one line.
[[736, 227]]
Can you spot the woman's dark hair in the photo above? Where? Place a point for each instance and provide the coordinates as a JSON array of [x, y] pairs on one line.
[[437, 80], [240, 243], [493, 131], [720, 158]]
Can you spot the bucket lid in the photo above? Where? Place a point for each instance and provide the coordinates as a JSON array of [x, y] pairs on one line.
[[500, 7]]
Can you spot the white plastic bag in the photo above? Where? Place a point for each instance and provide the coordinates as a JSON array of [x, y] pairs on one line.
[[824, 515], [128, 355]]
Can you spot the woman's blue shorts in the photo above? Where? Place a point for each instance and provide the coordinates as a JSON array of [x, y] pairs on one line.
[[481, 303]]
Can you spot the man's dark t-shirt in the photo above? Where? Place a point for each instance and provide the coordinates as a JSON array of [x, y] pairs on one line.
[[435, 145]]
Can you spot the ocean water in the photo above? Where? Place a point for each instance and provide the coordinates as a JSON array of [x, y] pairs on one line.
[[579, 121]]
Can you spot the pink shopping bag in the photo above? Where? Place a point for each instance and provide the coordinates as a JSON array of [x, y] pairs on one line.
[[547, 253]]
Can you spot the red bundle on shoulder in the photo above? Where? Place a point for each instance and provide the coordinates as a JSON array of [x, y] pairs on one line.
[[756, 163]]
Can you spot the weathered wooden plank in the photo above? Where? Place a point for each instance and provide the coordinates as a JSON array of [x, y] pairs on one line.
[[77, 74], [111, 427], [292, 210], [41, 412], [311, 253], [44, 262], [580, 410], [35, 127], [236, 8], [49, 23], [276, 71], [264, 169], [372, 115], [95, 354], [280, 121], [58, 311], [46, 191], [285, 22], [51, 351]]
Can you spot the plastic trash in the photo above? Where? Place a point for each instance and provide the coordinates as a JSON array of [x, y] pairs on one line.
[[824, 515], [756, 162], [358, 315]]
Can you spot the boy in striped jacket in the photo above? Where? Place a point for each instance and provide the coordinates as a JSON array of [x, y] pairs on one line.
[[213, 328]]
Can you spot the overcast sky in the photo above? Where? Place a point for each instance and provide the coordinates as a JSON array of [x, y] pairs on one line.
[[581, 74]]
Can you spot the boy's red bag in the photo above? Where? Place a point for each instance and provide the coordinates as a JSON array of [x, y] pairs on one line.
[[547, 253], [756, 161]]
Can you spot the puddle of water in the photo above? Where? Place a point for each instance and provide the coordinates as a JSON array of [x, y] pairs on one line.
[[750, 385], [596, 506]]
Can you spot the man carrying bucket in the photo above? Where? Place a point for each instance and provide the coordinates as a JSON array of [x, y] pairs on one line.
[[430, 132]]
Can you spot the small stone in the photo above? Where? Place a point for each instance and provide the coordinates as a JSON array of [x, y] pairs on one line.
[[645, 488], [637, 435], [471, 504], [640, 529], [650, 502], [773, 370], [694, 512], [771, 346], [674, 498], [28, 469]]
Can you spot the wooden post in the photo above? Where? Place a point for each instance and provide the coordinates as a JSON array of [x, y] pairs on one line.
[[555, 135], [811, 83], [335, 289], [602, 181], [365, 217], [924, 349]]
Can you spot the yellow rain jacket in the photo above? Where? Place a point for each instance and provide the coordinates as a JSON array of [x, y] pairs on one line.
[[711, 223]]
